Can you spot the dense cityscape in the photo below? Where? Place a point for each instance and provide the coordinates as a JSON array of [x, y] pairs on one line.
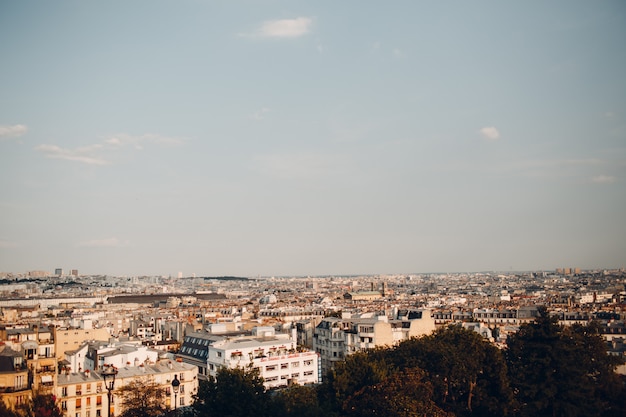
[[60, 332], [294, 208]]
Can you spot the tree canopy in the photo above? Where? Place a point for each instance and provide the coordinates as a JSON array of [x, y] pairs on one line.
[[548, 370], [235, 392], [142, 398], [562, 371], [40, 405], [467, 372]]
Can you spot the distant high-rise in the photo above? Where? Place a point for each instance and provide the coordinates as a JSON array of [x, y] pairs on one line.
[[74, 272], [58, 271]]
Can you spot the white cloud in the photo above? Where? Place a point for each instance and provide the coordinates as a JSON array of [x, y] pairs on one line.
[[84, 155], [12, 131], [123, 139], [490, 132], [285, 28], [260, 114], [603, 179], [92, 154], [111, 242]]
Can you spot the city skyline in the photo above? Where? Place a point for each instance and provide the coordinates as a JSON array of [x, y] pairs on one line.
[[279, 138]]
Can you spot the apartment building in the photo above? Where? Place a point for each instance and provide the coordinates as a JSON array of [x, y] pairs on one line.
[[83, 394], [276, 355], [335, 338], [27, 361], [66, 338], [14, 386]]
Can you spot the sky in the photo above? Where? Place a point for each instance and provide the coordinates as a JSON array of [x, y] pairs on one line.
[[271, 138]]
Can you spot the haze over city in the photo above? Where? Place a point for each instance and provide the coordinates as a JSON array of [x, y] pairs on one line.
[[307, 138]]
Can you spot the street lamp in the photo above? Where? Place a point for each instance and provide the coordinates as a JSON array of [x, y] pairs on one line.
[[175, 386], [108, 373]]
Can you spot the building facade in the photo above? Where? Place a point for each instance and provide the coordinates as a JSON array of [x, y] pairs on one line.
[[335, 338]]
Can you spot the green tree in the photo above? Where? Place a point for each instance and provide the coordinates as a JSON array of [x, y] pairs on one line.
[[357, 371], [467, 372], [297, 401], [40, 405], [403, 394], [142, 398], [562, 371], [43, 405], [235, 392], [5, 411]]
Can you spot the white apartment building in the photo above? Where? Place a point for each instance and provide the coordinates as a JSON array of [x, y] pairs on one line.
[[276, 356], [84, 394], [335, 338]]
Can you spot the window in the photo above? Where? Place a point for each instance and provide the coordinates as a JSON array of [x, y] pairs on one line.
[[64, 392], [99, 400], [98, 413], [63, 405], [270, 368], [88, 401], [182, 389], [284, 365], [19, 382], [79, 390], [296, 375], [78, 403], [308, 373], [88, 387], [295, 364], [219, 354]]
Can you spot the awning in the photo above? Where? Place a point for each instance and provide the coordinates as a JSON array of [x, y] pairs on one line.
[[30, 344]]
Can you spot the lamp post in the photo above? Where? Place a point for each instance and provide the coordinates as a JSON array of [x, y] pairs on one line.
[[108, 373], [175, 387]]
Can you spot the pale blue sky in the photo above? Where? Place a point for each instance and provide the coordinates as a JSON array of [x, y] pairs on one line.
[[312, 137]]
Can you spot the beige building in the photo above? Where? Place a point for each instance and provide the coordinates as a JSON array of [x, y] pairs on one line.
[[14, 387], [27, 361], [336, 338], [66, 339], [84, 394]]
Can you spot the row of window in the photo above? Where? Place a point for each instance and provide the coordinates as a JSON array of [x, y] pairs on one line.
[[284, 377], [336, 354], [193, 351], [197, 341], [79, 389], [329, 343]]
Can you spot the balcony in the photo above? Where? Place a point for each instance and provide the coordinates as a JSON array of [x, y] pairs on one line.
[[5, 390]]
